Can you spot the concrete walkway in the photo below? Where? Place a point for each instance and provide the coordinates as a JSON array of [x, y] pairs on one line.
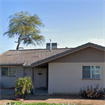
[[41, 92], [7, 91], [37, 91]]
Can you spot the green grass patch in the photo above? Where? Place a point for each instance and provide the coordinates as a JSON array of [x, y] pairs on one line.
[[41, 103]]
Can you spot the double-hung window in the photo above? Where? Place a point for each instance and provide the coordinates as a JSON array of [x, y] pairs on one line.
[[8, 71], [91, 72]]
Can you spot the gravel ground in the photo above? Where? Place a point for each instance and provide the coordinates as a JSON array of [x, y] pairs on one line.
[[51, 99]]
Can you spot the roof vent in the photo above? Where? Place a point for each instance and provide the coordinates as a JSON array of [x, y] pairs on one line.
[[50, 45], [66, 47]]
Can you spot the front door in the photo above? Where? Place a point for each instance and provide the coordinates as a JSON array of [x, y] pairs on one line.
[[41, 78]]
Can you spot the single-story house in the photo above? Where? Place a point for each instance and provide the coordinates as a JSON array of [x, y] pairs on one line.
[[60, 70]]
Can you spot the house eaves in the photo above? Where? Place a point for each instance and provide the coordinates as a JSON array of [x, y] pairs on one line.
[[11, 64]]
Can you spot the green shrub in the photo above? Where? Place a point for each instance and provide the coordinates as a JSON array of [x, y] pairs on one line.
[[16, 103], [23, 86], [40, 103], [92, 92]]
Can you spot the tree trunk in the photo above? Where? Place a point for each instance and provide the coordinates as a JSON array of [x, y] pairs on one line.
[[17, 48], [19, 40]]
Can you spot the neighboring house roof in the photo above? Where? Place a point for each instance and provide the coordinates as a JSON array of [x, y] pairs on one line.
[[35, 57], [27, 57]]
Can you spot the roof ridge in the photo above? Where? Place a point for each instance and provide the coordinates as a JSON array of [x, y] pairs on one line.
[[95, 44], [39, 49]]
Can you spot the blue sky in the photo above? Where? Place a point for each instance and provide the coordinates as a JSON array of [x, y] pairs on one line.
[[67, 22]]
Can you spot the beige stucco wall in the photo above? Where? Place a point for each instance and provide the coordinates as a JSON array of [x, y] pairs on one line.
[[67, 77], [28, 72], [8, 82], [40, 80], [86, 55]]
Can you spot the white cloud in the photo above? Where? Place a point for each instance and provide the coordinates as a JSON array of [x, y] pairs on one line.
[[49, 30], [100, 41]]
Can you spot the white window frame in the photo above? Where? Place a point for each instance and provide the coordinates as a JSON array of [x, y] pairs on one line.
[[8, 71], [91, 72]]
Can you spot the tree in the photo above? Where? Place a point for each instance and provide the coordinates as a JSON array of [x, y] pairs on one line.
[[26, 28]]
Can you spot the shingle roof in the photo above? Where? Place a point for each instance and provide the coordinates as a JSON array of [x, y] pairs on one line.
[[34, 57], [73, 50], [27, 57]]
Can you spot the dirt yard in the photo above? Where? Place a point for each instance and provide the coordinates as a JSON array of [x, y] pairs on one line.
[[52, 99]]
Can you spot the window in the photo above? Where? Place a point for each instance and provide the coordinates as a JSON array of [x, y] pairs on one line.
[[8, 71], [92, 72]]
